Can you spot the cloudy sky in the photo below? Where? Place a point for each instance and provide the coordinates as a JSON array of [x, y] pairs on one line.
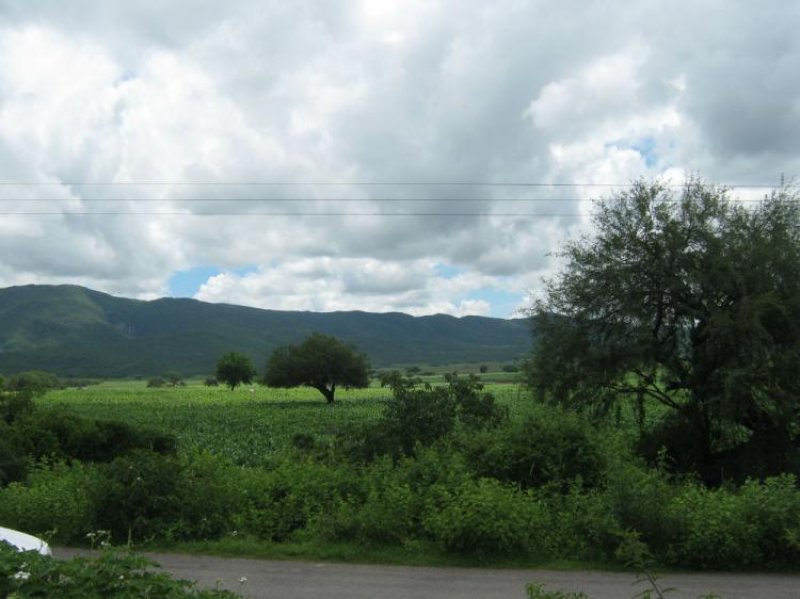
[[419, 156]]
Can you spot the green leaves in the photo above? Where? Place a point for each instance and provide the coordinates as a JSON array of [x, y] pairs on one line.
[[689, 300], [234, 368], [321, 362]]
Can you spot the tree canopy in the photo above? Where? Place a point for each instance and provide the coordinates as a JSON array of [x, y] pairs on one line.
[[234, 368], [690, 300], [321, 362]]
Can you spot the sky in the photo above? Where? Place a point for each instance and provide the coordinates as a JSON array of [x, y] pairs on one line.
[[415, 156]]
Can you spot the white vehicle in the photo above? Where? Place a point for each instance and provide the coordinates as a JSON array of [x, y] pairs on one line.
[[23, 541]]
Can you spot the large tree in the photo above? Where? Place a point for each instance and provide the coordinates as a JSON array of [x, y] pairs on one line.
[[234, 368], [321, 362], [690, 300]]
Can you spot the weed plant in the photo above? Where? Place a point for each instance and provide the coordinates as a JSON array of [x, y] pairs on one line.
[[110, 575]]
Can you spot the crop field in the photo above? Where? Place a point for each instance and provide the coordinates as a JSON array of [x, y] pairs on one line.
[[247, 425]]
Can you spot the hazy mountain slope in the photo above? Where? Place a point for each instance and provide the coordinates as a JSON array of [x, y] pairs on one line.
[[76, 331]]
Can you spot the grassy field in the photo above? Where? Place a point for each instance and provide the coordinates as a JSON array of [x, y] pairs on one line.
[[247, 425]]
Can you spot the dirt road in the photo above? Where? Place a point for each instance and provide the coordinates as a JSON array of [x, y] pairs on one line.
[[309, 580]]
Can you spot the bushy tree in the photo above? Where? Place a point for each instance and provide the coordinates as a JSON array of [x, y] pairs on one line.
[[321, 362], [419, 414], [35, 381], [234, 368], [691, 300], [173, 378]]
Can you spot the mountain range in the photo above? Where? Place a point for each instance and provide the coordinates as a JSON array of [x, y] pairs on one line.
[[74, 331]]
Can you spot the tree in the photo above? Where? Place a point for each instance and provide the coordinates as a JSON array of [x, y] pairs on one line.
[[37, 382], [692, 302], [173, 378], [234, 369], [321, 362]]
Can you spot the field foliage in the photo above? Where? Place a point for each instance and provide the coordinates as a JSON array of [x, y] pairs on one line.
[[447, 468]]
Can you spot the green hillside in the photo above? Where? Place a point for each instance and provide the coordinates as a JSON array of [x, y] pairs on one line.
[[74, 331]]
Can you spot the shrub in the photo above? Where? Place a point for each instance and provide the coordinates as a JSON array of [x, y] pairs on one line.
[[486, 517], [14, 405], [110, 574], [387, 513], [580, 525], [639, 499], [752, 526], [139, 498], [173, 378], [54, 433], [419, 414], [296, 492], [209, 495], [549, 445], [35, 381], [474, 407], [57, 500], [13, 462]]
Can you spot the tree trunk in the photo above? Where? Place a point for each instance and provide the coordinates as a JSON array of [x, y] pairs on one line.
[[328, 393]]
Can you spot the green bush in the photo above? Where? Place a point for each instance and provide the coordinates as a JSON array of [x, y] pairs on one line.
[[486, 517], [416, 415], [754, 526], [110, 574], [639, 498], [549, 445], [13, 462], [295, 493], [14, 405], [386, 513], [54, 433], [139, 498], [209, 494], [35, 381], [420, 414], [57, 500], [476, 408]]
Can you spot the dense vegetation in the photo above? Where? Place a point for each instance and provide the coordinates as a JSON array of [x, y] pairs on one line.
[[73, 331], [419, 471], [111, 574], [692, 303]]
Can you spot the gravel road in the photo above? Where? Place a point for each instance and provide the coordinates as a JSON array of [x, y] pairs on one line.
[[310, 580]]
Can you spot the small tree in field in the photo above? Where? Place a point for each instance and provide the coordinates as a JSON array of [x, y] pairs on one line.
[[234, 368], [321, 362]]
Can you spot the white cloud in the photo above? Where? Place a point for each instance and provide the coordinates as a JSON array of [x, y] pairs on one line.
[[325, 284], [366, 92]]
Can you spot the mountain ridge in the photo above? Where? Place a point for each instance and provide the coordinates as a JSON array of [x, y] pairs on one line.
[[76, 331]]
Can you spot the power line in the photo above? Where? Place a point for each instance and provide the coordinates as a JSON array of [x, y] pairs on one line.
[[417, 183], [307, 214], [344, 200], [264, 199]]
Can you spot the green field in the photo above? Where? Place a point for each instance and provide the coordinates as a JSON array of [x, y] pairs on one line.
[[422, 475], [247, 425]]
